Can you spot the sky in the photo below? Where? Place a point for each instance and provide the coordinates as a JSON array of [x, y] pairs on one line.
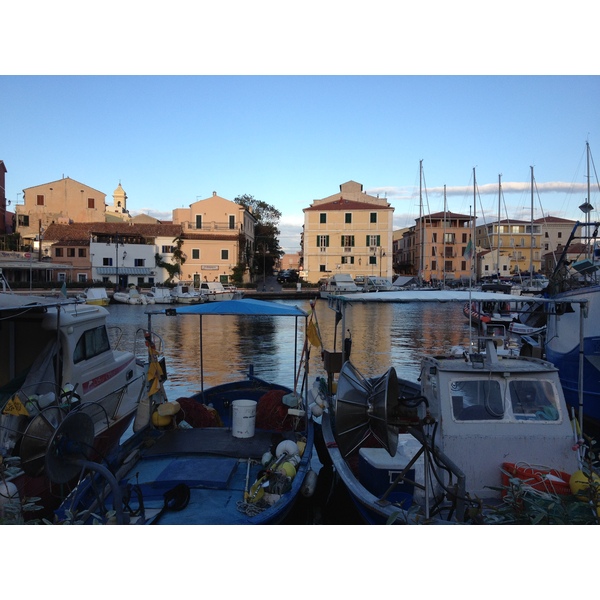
[[171, 138]]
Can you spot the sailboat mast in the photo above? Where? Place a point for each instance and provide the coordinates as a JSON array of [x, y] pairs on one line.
[[498, 226], [531, 242], [473, 245], [587, 214], [422, 240], [444, 244]]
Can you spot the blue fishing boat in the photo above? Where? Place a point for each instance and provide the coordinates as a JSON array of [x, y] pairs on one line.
[[235, 453]]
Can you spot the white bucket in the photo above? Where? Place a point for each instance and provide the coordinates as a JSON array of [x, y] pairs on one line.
[[243, 418]]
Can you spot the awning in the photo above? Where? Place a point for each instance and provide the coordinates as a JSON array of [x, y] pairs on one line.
[[123, 270]]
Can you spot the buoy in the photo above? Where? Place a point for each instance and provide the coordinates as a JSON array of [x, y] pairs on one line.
[[288, 469], [309, 485], [8, 493], [167, 409], [301, 447], [159, 420], [286, 447], [266, 459], [580, 484]]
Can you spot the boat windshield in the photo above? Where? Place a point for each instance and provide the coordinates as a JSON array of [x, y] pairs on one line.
[[484, 400]]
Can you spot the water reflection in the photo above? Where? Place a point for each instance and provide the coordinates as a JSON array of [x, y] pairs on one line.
[[382, 334]]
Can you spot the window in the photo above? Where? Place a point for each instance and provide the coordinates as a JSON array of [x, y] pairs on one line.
[[533, 400], [559, 234], [463, 265], [448, 266], [81, 277], [476, 400], [322, 269], [224, 254], [546, 234], [23, 220], [347, 260], [434, 238], [167, 249], [448, 238], [198, 221], [322, 241], [91, 203], [464, 238], [40, 200], [92, 343], [348, 218], [347, 240], [71, 252], [195, 253], [139, 262], [81, 252], [323, 218], [58, 252], [434, 265], [107, 262], [372, 260], [373, 218], [373, 240], [231, 221]]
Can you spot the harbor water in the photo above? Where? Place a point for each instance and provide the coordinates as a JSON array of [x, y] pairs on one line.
[[383, 335]]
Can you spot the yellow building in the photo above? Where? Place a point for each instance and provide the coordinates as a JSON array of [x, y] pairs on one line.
[[217, 235], [347, 232], [515, 246], [62, 202]]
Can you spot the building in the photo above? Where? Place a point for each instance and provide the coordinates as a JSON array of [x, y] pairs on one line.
[[515, 244], [403, 251], [111, 252], [555, 233], [60, 202], [217, 235], [441, 247], [350, 232]]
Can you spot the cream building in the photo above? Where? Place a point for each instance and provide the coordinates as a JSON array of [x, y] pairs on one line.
[[63, 202], [217, 235], [119, 205], [515, 246], [347, 232]]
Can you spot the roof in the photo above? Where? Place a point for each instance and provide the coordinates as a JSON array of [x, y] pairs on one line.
[[245, 306], [557, 220], [80, 231], [446, 215], [343, 204]]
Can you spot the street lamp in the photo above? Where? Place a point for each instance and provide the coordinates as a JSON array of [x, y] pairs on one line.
[[264, 253]]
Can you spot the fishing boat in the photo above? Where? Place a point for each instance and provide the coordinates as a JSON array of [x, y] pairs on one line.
[[96, 296], [572, 330], [235, 453], [489, 313], [378, 284], [161, 295], [56, 361], [340, 283], [440, 449], [184, 293]]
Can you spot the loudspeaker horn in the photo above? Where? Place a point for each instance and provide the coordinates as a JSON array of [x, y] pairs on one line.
[[362, 408]]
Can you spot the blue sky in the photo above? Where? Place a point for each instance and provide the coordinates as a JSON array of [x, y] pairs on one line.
[[290, 139]]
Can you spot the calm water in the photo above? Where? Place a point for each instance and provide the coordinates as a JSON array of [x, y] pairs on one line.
[[383, 335]]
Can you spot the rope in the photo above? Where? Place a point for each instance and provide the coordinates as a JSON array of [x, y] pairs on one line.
[[250, 510]]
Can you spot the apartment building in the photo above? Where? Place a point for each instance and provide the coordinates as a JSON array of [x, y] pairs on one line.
[[61, 202], [515, 246], [348, 232], [442, 247], [217, 235]]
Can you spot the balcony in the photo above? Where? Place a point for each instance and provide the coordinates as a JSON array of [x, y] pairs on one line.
[[213, 226]]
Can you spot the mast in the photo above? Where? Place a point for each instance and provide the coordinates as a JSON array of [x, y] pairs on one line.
[[587, 214], [444, 244], [498, 226], [473, 244], [531, 242], [422, 239]]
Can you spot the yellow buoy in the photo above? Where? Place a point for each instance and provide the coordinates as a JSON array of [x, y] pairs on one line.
[[159, 420], [580, 484], [288, 469]]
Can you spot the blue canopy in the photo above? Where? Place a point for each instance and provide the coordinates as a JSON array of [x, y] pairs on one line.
[[244, 306]]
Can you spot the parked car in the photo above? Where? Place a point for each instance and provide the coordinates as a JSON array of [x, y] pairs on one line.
[[288, 276]]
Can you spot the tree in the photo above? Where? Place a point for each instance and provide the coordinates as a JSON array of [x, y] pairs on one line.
[[266, 232]]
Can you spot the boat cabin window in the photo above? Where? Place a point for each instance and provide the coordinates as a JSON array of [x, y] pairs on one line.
[[476, 400], [533, 399], [92, 343]]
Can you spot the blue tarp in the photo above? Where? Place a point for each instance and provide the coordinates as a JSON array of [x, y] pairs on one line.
[[245, 306]]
